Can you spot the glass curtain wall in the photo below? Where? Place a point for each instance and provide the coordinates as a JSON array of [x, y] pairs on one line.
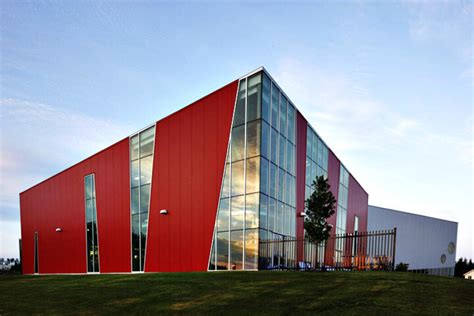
[[278, 174], [91, 224], [257, 198], [316, 165], [141, 165], [341, 212]]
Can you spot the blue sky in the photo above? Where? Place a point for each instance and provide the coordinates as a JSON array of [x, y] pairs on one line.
[[389, 86]]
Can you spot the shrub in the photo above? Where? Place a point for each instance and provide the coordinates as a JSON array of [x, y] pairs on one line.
[[402, 267]]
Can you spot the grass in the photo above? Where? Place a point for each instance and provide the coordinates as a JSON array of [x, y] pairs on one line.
[[238, 293]]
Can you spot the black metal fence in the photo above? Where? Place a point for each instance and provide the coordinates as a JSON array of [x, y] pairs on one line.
[[373, 250]]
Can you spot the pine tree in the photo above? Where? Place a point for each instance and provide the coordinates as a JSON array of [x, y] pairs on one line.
[[319, 207]]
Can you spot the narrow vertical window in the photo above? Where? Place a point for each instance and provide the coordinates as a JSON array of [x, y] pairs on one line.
[[36, 264], [91, 224], [141, 167]]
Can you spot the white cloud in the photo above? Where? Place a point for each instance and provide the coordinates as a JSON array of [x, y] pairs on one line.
[[403, 162], [38, 140]]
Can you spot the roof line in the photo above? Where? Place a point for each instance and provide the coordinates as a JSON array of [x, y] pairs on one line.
[[389, 209]]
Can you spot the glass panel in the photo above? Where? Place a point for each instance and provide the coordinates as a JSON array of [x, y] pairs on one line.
[[90, 245], [253, 98], [309, 141], [134, 200], [275, 95], [251, 210], [282, 149], [291, 123], [265, 148], [226, 184], [308, 171], [288, 189], [212, 261], [263, 211], [134, 148], [223, 216], [237, 184], [289, 157], [273, 180], [223, 251], [325, 158], [274, 146], [271, 214], [251, 249], [253, 172], [134, 176], [89, 210], [146, 165], [314, 148], [239, 115], [279, 218], [266, 98], [281, 184], [264, 175], [88, 186], [237, 212], [236, 250], [253, 139], [283, 114], [320, 152], [143, 230], [313, 171], [144, 198], [146, 142], [135, 243], [238, 134]]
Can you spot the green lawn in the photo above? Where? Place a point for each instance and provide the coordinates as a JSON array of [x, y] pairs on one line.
[[238, 292]]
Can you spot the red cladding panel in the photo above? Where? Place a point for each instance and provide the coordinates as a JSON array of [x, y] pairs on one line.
[[301, 130], [59, 202], [357, 205], [190, 152]]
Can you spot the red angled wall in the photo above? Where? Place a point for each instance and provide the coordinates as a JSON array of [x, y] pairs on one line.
[[190, 152], [59, 202], [357, 205], [301, 131]]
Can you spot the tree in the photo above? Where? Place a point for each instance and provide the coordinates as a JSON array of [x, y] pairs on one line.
[[319, 207]]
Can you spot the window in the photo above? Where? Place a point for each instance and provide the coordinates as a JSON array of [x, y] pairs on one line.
[[91, 224], [236, 249], [253, 139], [237, 178], [141, 166], [282, 115], [223, 215], [253, 98], [238, 143], [253, 175]]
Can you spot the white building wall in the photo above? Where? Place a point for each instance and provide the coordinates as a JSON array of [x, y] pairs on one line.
[[421, 240]]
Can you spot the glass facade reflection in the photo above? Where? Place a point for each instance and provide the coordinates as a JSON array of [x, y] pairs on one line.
[[257, 198], [91, 224], [141, 166]]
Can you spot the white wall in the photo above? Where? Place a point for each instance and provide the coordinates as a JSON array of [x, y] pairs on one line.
[[421, 240]]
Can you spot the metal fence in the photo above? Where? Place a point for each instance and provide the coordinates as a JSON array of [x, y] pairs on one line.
[[373, 250]]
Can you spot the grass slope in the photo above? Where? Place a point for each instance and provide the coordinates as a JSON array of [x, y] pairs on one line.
[[237, 293]]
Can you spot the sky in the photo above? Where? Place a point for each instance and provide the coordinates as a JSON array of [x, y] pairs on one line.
[[387, 85]]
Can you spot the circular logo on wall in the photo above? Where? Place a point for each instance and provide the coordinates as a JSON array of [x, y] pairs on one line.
[[451, 248], [443, 258]]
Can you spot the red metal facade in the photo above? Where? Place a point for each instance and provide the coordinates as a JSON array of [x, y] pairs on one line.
[[190, 152], [301, 131], [189, 157], [59, 202]]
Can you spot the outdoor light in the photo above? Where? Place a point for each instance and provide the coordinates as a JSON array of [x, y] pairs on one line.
[[302, 214], [164, 212], [58, 230]]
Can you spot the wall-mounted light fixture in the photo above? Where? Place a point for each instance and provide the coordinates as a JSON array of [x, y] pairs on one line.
[[164, 212], [302, 214], [58, 230]]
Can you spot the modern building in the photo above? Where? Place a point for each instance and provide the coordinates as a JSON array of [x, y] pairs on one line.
[[427, 244], [195, 191]]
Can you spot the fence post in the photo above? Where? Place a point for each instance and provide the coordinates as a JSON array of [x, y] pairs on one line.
[[394, 246]]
